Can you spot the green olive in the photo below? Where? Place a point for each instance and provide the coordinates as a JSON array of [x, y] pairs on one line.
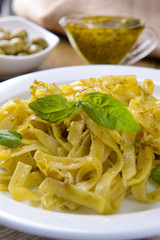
[[6, 46], [26, 46], [2, 51], [41, 41], [17, 44], [19, 33], [22, 54], [4, 35], [34, 48]]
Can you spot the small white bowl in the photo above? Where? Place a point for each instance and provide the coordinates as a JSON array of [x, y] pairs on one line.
[[15, 65]]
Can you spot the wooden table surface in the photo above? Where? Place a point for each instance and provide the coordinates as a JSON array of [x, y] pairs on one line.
[[64, 55]]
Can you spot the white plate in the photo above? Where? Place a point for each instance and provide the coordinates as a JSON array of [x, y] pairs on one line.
[[134, 220], [14, 65]]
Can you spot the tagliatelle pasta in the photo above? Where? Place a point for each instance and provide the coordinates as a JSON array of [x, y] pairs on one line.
[[77, 162]]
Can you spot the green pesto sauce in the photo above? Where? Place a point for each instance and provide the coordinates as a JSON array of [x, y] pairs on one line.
[[103, 39]]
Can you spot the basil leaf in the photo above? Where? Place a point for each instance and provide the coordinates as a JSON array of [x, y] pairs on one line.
[[55, 108], [49, 103], [155, 174], [108, 112], [10, 138]]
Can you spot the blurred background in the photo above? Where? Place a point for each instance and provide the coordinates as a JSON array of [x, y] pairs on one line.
[[48, 12]]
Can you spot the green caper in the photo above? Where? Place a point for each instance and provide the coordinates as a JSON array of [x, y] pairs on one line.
[[19, 33], [41, 41], [34, 48], [2, 51], [17, 44]]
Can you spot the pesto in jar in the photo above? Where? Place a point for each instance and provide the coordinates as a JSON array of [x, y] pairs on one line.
[[103, 39]]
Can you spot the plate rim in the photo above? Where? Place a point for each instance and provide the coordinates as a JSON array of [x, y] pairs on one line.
[[145, 69]]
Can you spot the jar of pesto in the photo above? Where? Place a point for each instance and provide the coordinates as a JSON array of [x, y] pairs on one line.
[[106, 39]]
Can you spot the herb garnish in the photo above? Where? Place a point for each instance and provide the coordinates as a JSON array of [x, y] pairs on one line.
[[10, 138], [155, 174], [106, 111]]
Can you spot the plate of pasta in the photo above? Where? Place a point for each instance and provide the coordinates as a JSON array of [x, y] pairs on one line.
[[80, 152]]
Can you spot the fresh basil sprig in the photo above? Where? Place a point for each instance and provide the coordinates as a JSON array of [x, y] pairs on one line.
[[101, 108], [55, 108], [108, 112], [10, 138], [155, 174]]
